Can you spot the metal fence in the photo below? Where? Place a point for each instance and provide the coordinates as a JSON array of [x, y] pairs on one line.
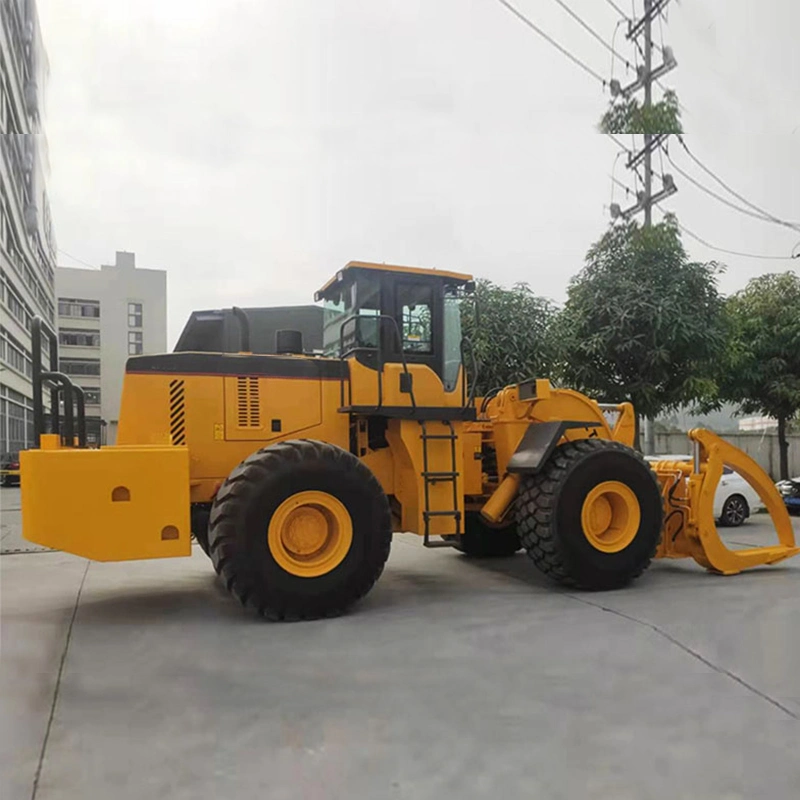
[[763, 447]]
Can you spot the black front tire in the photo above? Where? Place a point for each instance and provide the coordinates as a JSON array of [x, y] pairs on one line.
[[734, 512], [549, 514], [480, 540], [245, 504]]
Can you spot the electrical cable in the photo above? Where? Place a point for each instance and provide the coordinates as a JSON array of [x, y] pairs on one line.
[[613, 41], [79, 260], [761, 216], [785, 223], [592, 32], [618, 9], [618, 143], [613, 177], [532, 25], [702, 241], [622, 185]]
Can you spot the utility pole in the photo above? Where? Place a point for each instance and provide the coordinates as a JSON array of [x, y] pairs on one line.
[[649, 422], [647, 79], [646, 76]]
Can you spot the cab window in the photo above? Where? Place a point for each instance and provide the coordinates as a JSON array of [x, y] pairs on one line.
[[416, 318]]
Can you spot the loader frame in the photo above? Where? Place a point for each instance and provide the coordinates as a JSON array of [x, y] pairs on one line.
[[390, 397]]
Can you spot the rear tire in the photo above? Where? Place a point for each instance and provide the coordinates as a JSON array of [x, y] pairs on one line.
[[256, 496], [200, 514], [550, 515], [479, 540], [734, 512]]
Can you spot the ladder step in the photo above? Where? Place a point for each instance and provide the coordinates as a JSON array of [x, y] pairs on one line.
[[438, 543], [429, 514], [450, 436], [440, 475]]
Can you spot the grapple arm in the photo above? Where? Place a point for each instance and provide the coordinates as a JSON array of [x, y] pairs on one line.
[[689, 525]]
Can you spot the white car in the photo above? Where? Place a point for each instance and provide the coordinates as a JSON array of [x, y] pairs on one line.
[[735, 499]]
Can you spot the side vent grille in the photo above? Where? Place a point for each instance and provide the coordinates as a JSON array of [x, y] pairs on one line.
[[177, 412], [249, 407]]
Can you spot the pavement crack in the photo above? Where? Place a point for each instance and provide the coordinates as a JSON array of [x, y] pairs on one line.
[[693, 653], [57, 689]]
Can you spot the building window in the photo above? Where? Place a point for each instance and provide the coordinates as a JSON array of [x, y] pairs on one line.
[[91, 396], [134, 315], [68, 307], [14, 354], [135, 344], [79, 338], [80, 366]]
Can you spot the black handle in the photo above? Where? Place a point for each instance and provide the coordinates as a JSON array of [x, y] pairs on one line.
[[61, 387]]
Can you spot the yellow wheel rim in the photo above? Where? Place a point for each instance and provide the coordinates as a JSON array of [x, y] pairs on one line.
[[610, 516], [309, 534]]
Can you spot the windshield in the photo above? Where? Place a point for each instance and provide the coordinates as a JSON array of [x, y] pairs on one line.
[[336, 308], [452, 342], [361, 299]]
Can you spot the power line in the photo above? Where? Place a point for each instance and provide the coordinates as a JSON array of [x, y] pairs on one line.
[[618, 143], [79, 260], [614, 179], [777, 220], [761, 216], [684, 229], [613, 42], [574, 59], [618, 9], [592, 32], [622, 185]]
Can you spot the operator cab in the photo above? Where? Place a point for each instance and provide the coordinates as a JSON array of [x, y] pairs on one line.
[[381, 314]]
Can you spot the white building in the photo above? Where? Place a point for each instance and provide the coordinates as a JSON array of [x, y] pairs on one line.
[[27, 245], [104, 316], [758, 424]]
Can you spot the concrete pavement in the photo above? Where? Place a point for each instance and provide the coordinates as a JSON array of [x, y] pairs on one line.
[[453, 678]]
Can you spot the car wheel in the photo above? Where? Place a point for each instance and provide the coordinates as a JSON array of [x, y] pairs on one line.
[[735, 511]]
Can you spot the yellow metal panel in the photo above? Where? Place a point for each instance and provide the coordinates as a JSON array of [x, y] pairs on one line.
[[381, 463], [472, 466], [249, 411], [146, 419], [405, 439], [111, 504], [428, 388], [512, 416]]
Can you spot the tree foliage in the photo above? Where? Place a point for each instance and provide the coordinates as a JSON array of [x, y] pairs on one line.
[[510, 330], [761, 370], [629, 116], [641, 321]]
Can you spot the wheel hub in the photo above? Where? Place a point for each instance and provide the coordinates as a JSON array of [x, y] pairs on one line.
[[310, 534], [610, 516]]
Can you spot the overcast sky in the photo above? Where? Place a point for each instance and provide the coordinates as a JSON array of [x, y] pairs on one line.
[[251, 148]]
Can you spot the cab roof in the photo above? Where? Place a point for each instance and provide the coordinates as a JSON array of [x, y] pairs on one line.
[[366, 266]]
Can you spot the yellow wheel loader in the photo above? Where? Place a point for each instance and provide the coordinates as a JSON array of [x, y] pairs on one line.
[[293, 470]]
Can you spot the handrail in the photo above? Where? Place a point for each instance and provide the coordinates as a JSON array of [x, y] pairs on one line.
[[379, 352], [60, 386], [467, 402]]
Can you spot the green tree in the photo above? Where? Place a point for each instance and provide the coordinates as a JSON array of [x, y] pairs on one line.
[[510, 333], [642, 322], [628, 116], [761, 371]]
